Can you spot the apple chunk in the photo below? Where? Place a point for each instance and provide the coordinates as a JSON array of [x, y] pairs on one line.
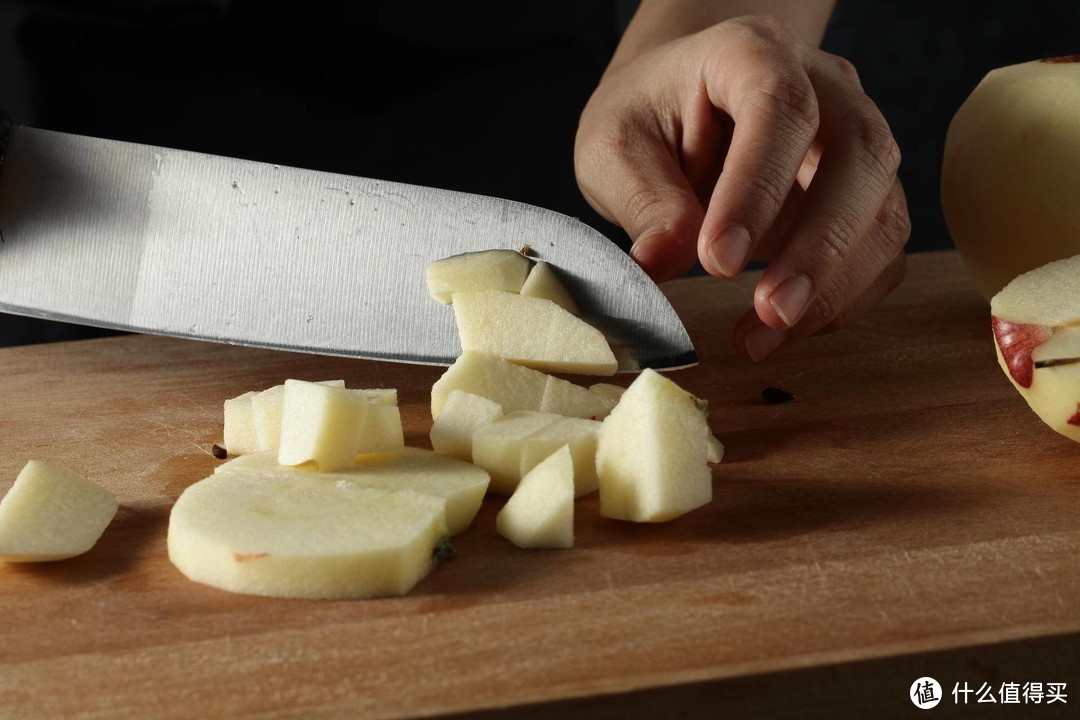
[[52, 513], [579, 436], [304, 537], [462, 415], [651, 453], [531, 331], [540, 513], [485, 270], [240, 435], [1036, 325], [497, 447], [543, 282], [516, 388], [321, 424]]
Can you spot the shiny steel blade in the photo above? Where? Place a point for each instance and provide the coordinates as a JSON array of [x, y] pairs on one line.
[[173, 242]]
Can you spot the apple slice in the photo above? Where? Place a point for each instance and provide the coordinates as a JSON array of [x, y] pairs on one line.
[[1036, 324], [461, 416], [531, 331], [462, 485], [485, 270], [652, 451], [543, 282], [304, 537], [321, 424], [497, 447], [516, 388], [579, 436], [239, 434], [540, 513], [52, 513]]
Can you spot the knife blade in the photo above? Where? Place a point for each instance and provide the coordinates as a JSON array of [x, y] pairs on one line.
[[166, 241]]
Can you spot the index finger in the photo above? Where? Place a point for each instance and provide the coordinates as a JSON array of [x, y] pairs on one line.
[[774, 105]]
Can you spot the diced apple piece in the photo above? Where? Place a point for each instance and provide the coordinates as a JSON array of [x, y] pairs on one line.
[[565, 398], [540, 513], [610, 390], [304, 537], [1036, 325], [380, 396], [486, 270], [52, 513], [462, 485], [516, 388], [381, 430], [267, 406], [579, 436], [651, 453], [239, 434], [497, 446], [530, 331], [544, 282], [321, 424], [462, 414]]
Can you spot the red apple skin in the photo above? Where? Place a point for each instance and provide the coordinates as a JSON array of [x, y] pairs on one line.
[[1017, 342], [1075, 419]]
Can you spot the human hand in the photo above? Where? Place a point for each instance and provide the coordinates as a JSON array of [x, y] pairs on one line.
[[808, 179]]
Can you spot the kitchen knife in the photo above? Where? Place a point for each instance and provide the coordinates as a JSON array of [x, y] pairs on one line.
[[157, 240]]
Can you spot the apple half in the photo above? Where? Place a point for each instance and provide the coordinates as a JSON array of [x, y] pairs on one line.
[[1036, 325]]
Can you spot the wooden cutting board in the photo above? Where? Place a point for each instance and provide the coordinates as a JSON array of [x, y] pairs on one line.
[[906, 515]]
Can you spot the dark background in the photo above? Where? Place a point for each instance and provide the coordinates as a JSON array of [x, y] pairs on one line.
[[473, 96]]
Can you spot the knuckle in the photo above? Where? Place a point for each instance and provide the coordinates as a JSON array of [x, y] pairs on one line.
[[878, 143], [795, 100], [640, 206], [768, 188], [837, 236], [826, 306], [765, 30], [847, 69], [895, 223]]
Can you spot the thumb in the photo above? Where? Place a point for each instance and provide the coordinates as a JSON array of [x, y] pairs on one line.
[[638, 184]]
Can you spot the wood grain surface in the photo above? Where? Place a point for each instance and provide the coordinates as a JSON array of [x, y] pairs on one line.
[[905, 515]]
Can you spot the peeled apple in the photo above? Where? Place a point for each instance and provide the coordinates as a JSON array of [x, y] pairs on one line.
[[1010, 183]]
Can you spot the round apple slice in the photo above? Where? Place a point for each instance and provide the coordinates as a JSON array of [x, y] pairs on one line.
[[304, 537], [461, 484]]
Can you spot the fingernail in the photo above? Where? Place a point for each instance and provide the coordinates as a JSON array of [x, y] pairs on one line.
[[645, 239], [730, 250], [762, 340], [790, 297]]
